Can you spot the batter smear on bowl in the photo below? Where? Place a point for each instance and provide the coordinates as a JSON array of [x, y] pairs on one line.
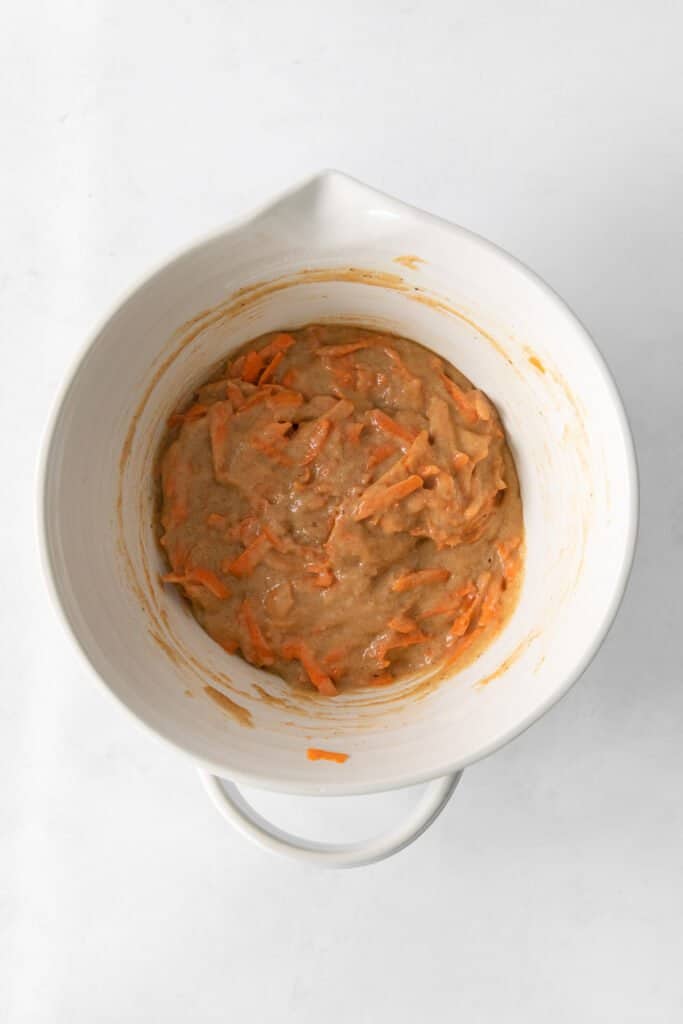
[[340, 506]]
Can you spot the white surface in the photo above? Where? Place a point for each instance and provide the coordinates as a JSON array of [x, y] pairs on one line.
[[551, 885]]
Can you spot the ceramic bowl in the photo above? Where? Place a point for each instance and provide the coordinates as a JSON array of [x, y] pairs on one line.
[[337, 250]]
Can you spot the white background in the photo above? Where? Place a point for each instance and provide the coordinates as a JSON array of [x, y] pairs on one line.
[[552, 886]]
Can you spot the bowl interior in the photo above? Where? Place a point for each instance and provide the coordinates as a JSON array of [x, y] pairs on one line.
[[467, 301]]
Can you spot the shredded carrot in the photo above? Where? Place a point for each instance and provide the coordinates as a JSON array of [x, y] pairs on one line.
[[340, 411], [508, 553], [482, 406], [314, 754], [411, 580], [343, 350], [466, 612], [403, 624], [324, 577], [289, 379], [283, 398], [216, 521], [206, 577], [178, 552], [195, 412], [220, 414], [316, 440], [272, 442], [461, 398], [452, 602], [229, 645], [253, 365], [271, 368], [280, 343], [275, 541], [301, 652], [398, 642], [353, 432], [235, 395], [273, 395], [389, 426], [379, 454], [491, 601], [246, 562], [246, 530], [372, 503], [260, 397], [174, 577], [401, 367], [235, 367], [262, 654], [460, 646]]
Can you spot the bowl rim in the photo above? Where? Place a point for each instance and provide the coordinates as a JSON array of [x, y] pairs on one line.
[[339, 787]]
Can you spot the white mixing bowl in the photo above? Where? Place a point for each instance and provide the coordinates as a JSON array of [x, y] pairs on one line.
[[336, 249]]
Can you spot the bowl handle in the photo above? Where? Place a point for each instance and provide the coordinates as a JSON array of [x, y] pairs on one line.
[[230, 803]]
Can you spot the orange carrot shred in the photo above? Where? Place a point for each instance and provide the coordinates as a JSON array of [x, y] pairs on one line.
[[343, 350], [324, 577], [379, 454], [461, 398], [390, 426], [372, 503], [404, 640], [235, 367], [491, 601], [246, 562], [353, 431], [465, 615], [261, 652], [280, 343], [206, 577], [315, 754], [340, 411], [460, 646], [455, 601], [411, 580], [508, 553], [253, 365], [195, 412], [316, 440], [235, 395], [403, 624], [271, 368], [216, 521], [299, 650], [276, 542]]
